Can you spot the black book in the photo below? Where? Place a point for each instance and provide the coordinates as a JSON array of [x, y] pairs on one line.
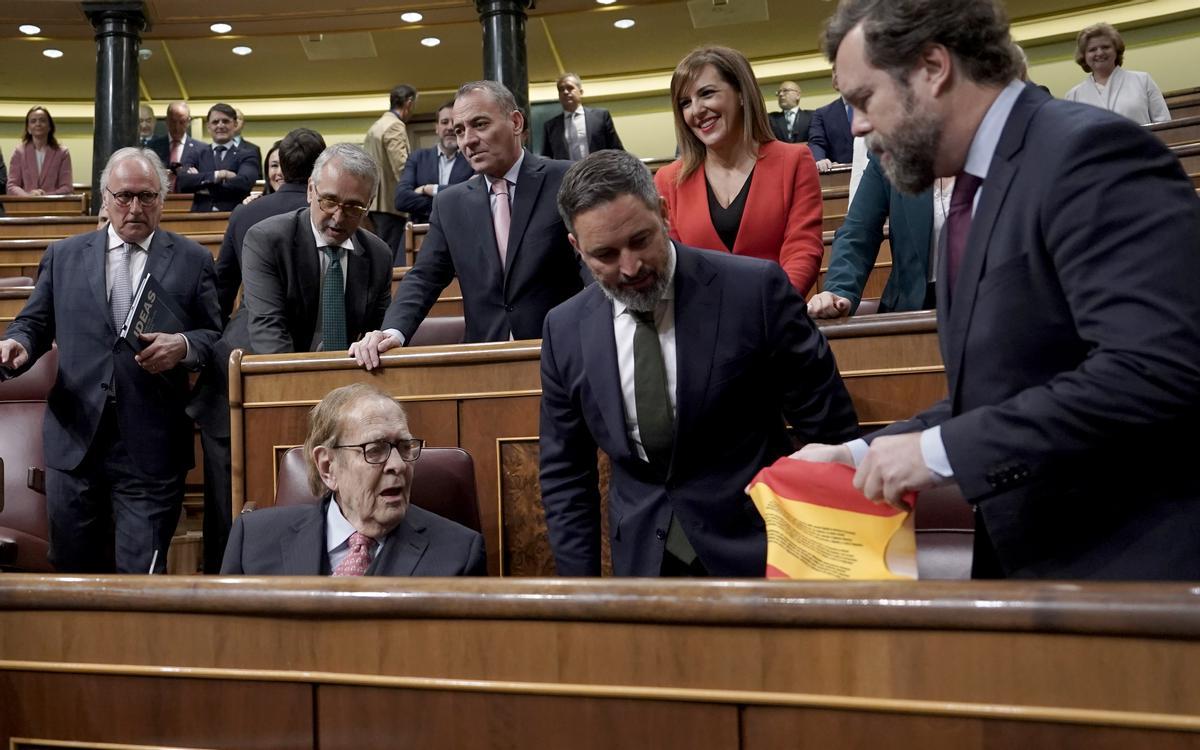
[[153, 310]]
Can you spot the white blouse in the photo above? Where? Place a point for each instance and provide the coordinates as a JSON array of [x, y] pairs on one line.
[[1130, 93]]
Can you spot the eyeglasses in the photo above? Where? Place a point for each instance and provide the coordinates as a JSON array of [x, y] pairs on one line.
[[124, 198], [328, 205], [379, 451]]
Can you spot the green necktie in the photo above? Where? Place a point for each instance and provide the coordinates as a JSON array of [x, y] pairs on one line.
[[333, 303], [656, 424]]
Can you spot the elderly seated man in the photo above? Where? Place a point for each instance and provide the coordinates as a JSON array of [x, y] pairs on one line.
[[361, 458]]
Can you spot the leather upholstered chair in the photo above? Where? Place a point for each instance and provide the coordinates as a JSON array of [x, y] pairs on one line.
[[443, 483], [440, 330], [945, 528], [24, 527]]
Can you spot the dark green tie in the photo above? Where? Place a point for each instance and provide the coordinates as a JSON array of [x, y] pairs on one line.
[[656, 424], [333, 304]]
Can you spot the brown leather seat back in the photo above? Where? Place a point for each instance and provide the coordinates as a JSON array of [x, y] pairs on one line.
[[441, 330], [23, 521], [443, 483], [945, 526]]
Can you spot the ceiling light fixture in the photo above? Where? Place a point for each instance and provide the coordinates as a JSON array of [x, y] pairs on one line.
[[431, 41], [624, 23], [243, 51], [221, 28], [411, 17], [606, 2], [53, 54], [29, 29]]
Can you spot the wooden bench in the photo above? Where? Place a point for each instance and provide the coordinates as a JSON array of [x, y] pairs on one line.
[[21, 257], [1177, 132], [449, 303], [57, 227], [44, 205], [12, 299]]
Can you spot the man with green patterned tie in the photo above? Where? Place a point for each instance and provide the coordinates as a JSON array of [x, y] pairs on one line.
[[313, 279]]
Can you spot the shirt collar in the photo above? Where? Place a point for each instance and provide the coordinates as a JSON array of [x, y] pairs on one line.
[[987, 135], [227, 144], [619, 308], [511, 174], [115, 241], [348, 243], [337, 528]]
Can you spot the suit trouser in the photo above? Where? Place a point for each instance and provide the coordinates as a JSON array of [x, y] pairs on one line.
[[390, 229], [218, 498], [108, 515]]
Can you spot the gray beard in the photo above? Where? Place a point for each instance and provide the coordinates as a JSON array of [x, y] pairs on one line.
[[647, 300]]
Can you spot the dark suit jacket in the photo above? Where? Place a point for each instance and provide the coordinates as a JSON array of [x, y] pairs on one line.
[[734, 390], [542, 270], [856, 243], [289, 197], [281, 272], [222, 196], [829, 134], [1072, 350], [291, 541], [70, 305], [422, 169], [799, 131], [601, 134], [161, 145]]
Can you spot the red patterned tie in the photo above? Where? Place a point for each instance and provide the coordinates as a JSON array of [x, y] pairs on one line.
[[359, 559], [958, 224]]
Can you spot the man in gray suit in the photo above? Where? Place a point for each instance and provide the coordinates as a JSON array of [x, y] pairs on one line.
[[116, 439], [313, 279], [510, 276], [361, 456], [577, 132]]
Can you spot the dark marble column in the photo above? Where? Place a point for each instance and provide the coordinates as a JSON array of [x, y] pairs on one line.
[[504, 57], [118, 26]]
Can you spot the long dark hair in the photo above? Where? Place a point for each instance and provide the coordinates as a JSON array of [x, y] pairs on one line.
[[50, 139], [268, 188]]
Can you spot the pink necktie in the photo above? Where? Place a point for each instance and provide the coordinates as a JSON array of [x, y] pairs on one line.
[[359, 559], [502, 217]]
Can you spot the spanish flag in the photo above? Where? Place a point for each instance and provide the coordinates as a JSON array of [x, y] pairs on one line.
[[819, 527]]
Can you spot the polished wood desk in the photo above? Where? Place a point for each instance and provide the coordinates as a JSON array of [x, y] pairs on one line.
[[44, 205], [20, 257], [485, 398], [56, 227], [583, 664]]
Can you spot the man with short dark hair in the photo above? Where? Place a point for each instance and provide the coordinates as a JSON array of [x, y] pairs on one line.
[[223, 175], [387, 143], [117, 441], [790, 123], [1068, 310], [829, 134], [510, 276], [578, 131], [431, 169], [361, 455], [681, 365]]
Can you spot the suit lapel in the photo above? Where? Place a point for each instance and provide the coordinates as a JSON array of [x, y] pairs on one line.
[[599, 347], [95, 262], [162, 253], [357, 286], [697, 304], [308, 270], [303, 552], [762, 178], [529, 187], [477, 207], [404, 549], [693, 194]]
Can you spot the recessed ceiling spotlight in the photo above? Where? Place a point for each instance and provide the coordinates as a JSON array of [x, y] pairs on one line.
[[29, 29], [53, 54], [606, 2], [624, 23], [411, 17], [431, 41], [221, 28], [243, 51]]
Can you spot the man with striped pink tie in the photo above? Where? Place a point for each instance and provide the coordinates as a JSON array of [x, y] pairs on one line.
[[360, 455]]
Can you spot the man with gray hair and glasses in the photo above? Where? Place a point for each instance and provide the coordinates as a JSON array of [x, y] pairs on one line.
[[313, 279], [681, 365], [116, 439]]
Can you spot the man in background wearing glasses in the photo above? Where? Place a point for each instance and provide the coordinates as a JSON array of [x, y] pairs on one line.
[[116, 439], [312, 279], [790, 124], [360, 460]]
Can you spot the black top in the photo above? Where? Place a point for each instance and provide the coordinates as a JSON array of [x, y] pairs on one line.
[[727, 220]]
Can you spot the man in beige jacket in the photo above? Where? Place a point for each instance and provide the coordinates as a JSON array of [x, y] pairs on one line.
[[387, 143]]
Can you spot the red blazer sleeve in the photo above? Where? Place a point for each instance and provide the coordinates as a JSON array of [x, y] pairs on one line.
[[797, 191]]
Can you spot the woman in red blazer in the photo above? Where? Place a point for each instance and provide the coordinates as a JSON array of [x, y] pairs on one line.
[[54, 175], [734, 186]]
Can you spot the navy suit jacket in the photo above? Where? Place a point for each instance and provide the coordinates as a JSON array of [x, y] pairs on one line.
[[291, 542], [601, 134], [70, 305], [542, 269], [161, 145], [800, 124], [222, 196], [1071, 342], [856, 243], [747, 356], [281, 271], [422, 169], [289, 197], [829, 134]]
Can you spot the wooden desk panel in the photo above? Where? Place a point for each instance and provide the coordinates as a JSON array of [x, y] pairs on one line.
[[56, 227], [449, 303], [44, 205], [12, 299]]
